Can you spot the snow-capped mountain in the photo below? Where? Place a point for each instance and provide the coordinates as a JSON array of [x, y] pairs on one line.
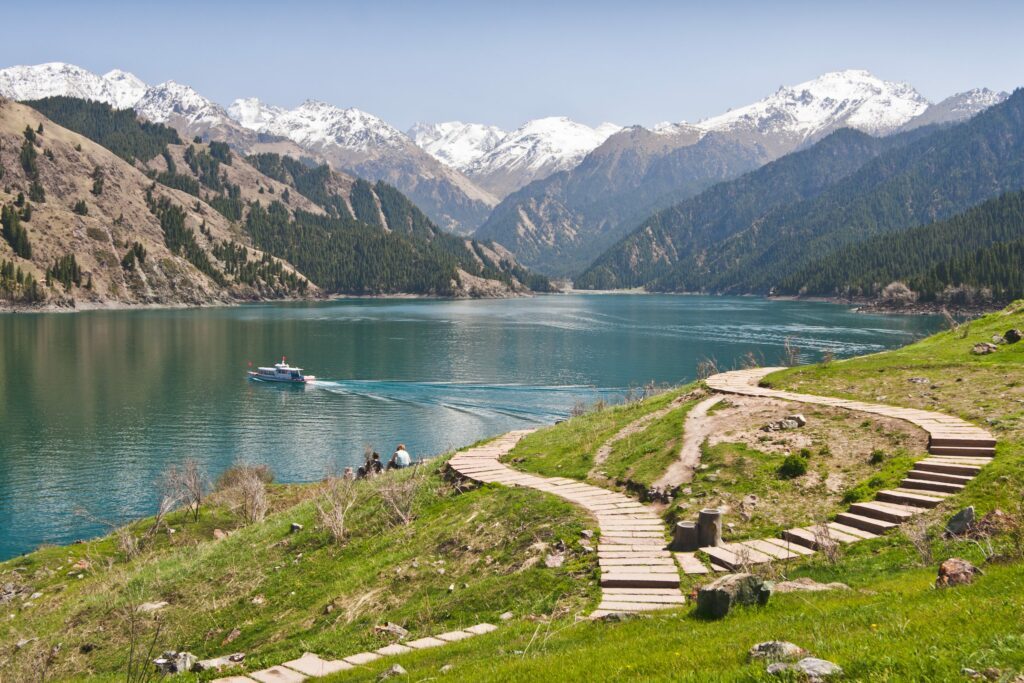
[[454, 143], [958, 107], [810, 110], [117, 88], [176, 104], [315, 124], [535, 150]]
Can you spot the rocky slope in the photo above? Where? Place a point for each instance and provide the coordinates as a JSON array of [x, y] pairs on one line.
[[177, 228]]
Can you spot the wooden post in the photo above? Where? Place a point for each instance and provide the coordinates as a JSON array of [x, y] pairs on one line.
[[709, 527], [684, 537]]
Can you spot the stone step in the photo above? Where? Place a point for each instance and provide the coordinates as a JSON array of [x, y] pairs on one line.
[[676, 599], [931, 494], [775, 551], [946, 467], [792, 547], [851, 530], [690, 564], [931, 485], [925, 475], [639, 580], [981, 451], [915, 499], [722, 557], [889, 512], [748, 555], [962, 441], [802, 537], [874, 525], [977, 461], [606, 607], [834, 533]]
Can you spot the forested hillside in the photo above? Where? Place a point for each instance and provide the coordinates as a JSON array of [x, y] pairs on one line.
[[970, 258], [927, 179], [193, 223]]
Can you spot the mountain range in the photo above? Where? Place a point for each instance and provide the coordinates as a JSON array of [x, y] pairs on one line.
[[841, 216], [99, 208]]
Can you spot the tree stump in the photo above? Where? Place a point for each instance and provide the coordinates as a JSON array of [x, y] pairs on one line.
[[684, 537], [709, 527]]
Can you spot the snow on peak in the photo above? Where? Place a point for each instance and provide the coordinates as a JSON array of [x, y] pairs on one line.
[[170, 100], [316, 123], [253, 114], [455, 143], [853, 98], [117, 88], [553, 144], [968, 103]]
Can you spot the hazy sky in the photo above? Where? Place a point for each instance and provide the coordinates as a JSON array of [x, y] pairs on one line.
[[626, 62]]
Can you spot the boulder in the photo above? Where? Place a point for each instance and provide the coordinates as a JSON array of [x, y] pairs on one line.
[[812, 668], [777, 651], [218, 663], [219, 535], [960, 523], [153, 606], [718, 597], [296, 528], [984, 348], [798, 418], [956, 572], [392, 629], [175, 662], [1012, 336]]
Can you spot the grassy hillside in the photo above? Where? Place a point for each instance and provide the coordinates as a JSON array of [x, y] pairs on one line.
[[491, 542]]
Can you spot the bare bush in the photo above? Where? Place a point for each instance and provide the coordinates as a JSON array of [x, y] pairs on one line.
[[335, 497], [827, 358], [706, 367], [244, 488], [898, 294], [578, 409], [826, 544], [142, 647], [189, 484], [916, 531], [168, 501], [948, 320], [398, 494], [791, 352], [127, 543]]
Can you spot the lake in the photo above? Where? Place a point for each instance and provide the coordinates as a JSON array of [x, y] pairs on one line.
[[94, 405]]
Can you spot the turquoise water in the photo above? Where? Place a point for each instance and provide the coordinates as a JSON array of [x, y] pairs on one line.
[[93, 406]]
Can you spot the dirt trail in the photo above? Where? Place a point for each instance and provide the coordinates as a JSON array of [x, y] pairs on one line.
[[634, 427], [695, 430]]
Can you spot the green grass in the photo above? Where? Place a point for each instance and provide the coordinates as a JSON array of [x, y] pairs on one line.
[[567, 449], [465, 558], [643, 457]]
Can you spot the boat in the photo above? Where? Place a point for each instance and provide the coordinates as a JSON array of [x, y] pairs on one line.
[[280, 372]]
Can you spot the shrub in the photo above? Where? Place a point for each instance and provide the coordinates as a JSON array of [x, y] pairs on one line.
[[234, 474], [793, 466], [877, 457]]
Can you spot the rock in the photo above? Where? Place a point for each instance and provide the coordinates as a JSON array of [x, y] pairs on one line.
[[175, 662], [23, 642], [918, 380], [231, 636], [81, 564], [998, 339], [218, 663], [812, 668], [956, 572], [806, 585], [984, 348], [392, 629], [621, 616], [554, 560], [259, 600], [219, 535], [506, 616], [446, 668], [777, 651], [395, 670], [296, 527], [587, 533], [798, 418], [718, 597], [86, 648], [960, 523], [1012, 336], [328, 608]]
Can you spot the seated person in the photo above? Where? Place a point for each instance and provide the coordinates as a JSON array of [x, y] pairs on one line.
[[376, 466], [402, 456]]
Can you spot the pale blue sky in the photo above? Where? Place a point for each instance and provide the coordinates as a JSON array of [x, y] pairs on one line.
[[504, 63]]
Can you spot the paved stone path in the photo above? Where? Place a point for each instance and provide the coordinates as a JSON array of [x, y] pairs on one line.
[[310, 665], [637, 573], [958, 450]]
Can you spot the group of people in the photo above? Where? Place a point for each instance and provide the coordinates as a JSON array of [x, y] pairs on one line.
[[373, 466]]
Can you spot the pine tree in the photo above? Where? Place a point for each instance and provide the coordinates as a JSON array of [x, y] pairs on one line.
[[36, 192], [80, 208]]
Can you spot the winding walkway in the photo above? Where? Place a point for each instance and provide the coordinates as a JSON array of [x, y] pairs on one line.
[[637, 573], [958, 450]]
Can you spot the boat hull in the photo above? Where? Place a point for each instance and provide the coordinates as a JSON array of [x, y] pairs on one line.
[[256, 377]]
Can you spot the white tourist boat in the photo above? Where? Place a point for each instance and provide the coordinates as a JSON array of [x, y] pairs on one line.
[[280, 372]]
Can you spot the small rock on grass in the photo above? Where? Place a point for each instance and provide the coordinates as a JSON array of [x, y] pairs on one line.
[[395, 670], [505, 616], [807, 585], [777, 651], [960, 523], [718, 597], [813, 668], [446, 668], [956, 572]]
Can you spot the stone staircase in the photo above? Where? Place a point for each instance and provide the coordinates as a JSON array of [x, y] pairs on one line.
[[637, 573]]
